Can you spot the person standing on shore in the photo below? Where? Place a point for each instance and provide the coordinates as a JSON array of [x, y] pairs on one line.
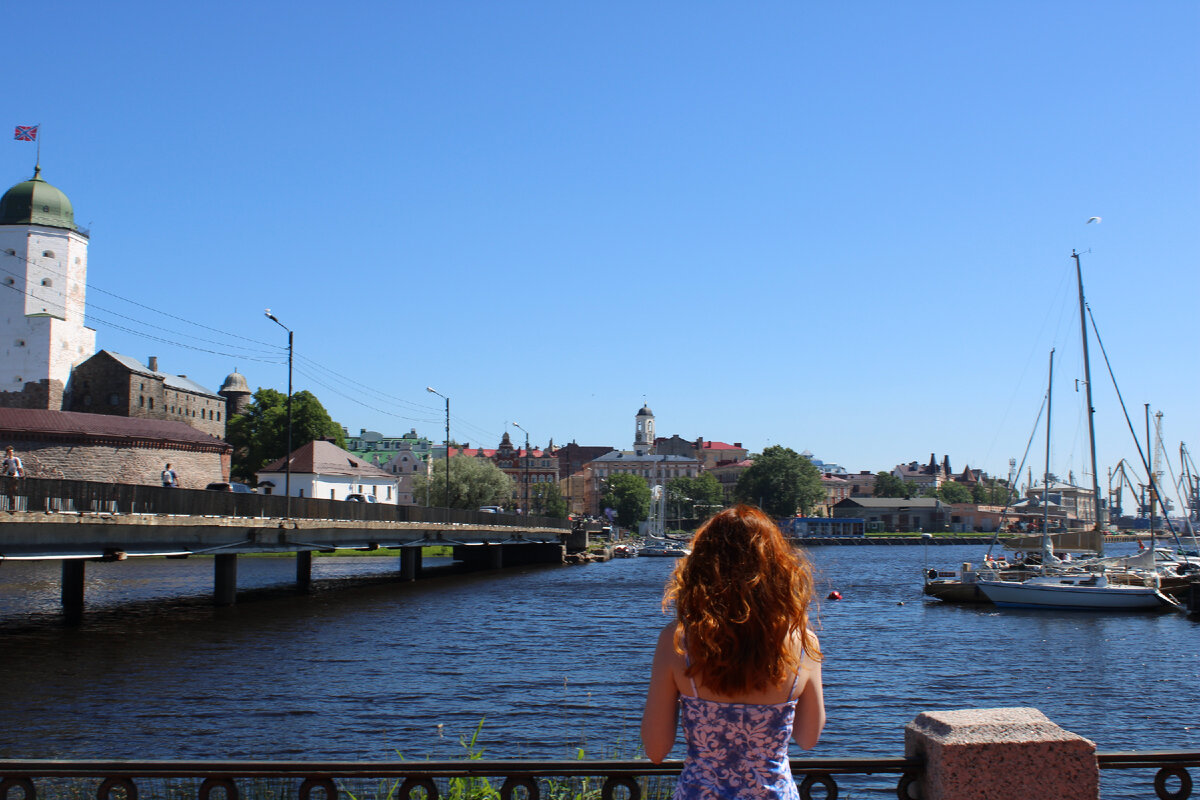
[[740, 662]]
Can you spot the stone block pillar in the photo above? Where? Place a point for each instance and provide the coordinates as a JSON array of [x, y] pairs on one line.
[[225, 579], [1001, 752], [410, 563], [72, 590], [304, 570]]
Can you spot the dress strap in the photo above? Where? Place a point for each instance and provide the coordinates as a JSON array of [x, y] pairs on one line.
[[688, 661], [796, 677]]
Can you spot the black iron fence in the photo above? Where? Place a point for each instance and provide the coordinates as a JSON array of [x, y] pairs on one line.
[[426, 780], [50, 495], [1163, 774]]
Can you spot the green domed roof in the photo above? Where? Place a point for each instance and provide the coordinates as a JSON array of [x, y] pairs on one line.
[[35, 202]]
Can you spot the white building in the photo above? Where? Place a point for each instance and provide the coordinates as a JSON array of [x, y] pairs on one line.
[[322, 470], [43, 265]]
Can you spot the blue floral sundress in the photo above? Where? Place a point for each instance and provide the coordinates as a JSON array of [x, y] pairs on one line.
[[737, 751]]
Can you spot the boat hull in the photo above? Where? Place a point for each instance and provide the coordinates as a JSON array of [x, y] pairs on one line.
[[1072, 596]]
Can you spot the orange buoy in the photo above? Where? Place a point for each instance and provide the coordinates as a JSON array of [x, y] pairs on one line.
[[835, 595]]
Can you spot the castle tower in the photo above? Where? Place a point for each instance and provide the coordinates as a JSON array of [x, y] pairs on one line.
[[236, 392], [643, 436], [43, 266]]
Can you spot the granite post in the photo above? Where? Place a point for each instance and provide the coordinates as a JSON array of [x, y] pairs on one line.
[[1001, 752]]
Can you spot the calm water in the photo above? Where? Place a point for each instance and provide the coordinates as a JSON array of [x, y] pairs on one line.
[[551, 659]]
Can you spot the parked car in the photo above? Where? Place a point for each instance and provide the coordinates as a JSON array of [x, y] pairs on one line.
[[239, 488], [492, 509], [361, 498]]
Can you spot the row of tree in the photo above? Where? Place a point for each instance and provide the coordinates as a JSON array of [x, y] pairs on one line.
[[780, 481], [990, 492]]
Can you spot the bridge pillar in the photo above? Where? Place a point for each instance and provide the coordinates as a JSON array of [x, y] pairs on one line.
[[496, 551], [304, 570], [410, 563], [72, 590], [225, 579]]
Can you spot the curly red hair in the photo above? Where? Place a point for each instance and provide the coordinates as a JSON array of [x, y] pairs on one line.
[[742, 597]]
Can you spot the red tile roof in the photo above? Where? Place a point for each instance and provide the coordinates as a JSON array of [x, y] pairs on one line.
[[325, 458], [721, 446], [28, 423]]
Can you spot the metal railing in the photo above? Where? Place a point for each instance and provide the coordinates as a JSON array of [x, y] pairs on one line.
[[408, 780], [52, 495], [478, 779]]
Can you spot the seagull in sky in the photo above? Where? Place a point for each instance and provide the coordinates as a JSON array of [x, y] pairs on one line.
[[1092, 219]]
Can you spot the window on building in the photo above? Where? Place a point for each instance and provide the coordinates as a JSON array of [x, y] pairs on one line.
[[141, 402], [9, 281], [47, 282], [113, 399], [152, 403], [47, 254], [20, 342]]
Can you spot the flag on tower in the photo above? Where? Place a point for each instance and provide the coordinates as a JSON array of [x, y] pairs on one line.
[[26, 133]]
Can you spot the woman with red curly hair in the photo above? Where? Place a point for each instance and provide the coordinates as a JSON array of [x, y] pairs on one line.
[[739, 660]]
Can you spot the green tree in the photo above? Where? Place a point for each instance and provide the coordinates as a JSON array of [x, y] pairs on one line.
[[629, 496], [888, 485], [781, 481], [474, 482], [547, 500], [259, 435], [952, 492], [993, 492], [694, 497]]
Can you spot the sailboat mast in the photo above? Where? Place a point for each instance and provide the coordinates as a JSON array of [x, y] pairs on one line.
[[1087, 382], [1047, 550]]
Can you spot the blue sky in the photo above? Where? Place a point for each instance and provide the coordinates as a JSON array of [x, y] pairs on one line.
[[845, 227]]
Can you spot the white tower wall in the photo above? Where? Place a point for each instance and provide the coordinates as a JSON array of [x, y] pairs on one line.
[[43, 287]]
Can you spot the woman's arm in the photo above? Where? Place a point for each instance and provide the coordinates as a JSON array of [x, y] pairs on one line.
[[810, 710], [661, 714]]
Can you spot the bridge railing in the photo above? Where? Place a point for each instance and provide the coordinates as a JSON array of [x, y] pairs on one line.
[[1162, 774], [51, 495]]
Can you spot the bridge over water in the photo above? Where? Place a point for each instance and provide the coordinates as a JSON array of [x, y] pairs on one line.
[[79, 521]]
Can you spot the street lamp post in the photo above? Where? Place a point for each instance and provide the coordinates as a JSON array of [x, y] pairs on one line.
[[287, 469], [432, 390], [518, 427]]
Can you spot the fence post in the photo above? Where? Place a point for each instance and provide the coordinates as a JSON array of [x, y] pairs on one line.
[[1001, 752]]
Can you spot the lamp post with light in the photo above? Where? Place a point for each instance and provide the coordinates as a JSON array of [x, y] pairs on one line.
[[432, 390], [287, 474], [518, 427]]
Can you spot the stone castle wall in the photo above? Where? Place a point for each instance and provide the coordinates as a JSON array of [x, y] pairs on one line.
[[116, 464]]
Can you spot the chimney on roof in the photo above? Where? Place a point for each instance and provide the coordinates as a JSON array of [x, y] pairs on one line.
[[152, 362], [737, 445]]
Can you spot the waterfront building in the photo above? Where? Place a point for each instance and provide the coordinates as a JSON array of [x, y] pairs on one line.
[[43, 266], [708, 453], [862, 483], [118, 385], [727, 474], [924, 476], [322, 470], [113, 449], [653, 468], [1076, 504], [837, 489], [895, 513]]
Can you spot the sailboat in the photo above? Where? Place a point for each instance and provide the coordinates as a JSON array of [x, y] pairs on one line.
[[1060, 586]]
